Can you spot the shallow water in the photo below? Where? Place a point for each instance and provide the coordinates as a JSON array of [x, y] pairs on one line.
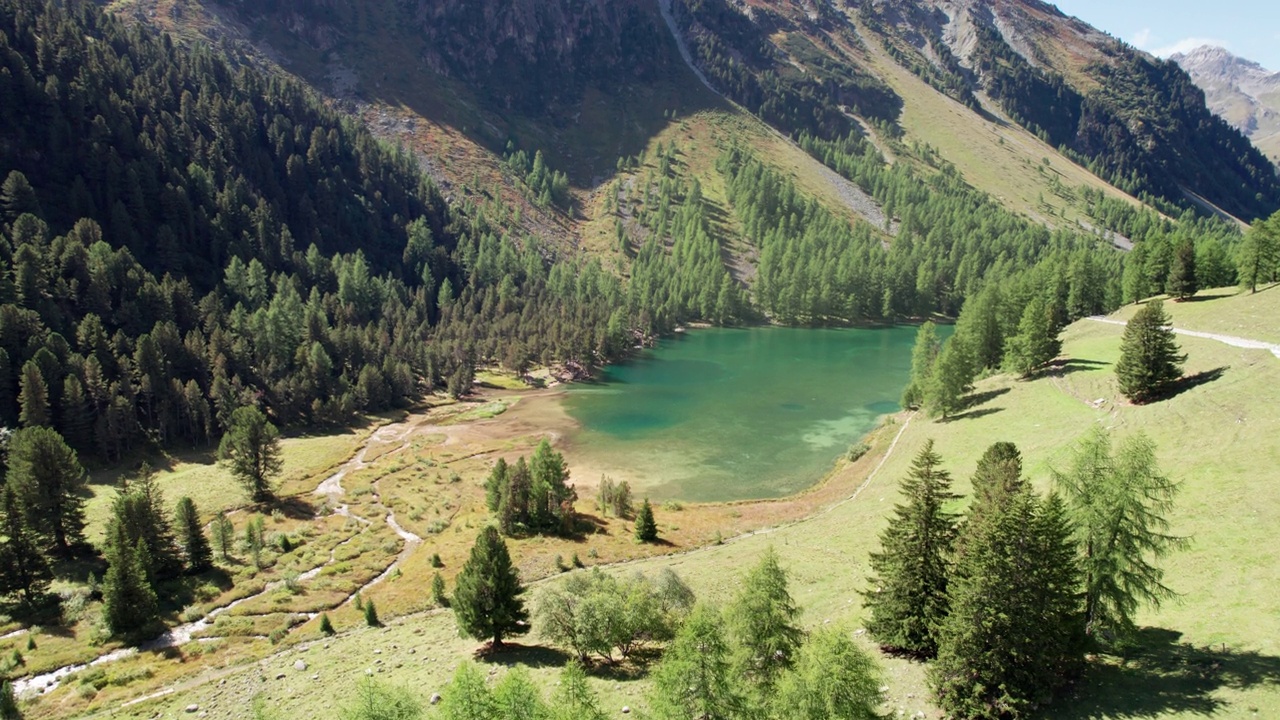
[[731, 414]]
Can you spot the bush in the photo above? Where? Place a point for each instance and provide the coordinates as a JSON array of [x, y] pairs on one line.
[[856, 451]]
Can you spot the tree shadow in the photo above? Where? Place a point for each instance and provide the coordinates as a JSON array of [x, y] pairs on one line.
[[512, 653], [1190, 382], [1067, 366], [973, 414], [977, 399], [1164, 676], [295, 507]]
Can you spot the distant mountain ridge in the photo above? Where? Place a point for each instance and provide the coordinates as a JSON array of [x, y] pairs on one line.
[[1240, 91]]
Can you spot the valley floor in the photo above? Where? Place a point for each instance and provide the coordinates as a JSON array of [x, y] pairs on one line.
[[1215, 652]]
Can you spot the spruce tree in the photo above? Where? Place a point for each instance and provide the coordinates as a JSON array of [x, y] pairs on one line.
[[1149, 361], [908, 596], [195, 547], [1119, 503], [251, 450], [128, 600], [646, 525], [437, 590], [695, 677], [326, 626], [1183, 281], [46, 476], [1014, 632], [371, 614], [763, 624], [486, 595], [24, 571]]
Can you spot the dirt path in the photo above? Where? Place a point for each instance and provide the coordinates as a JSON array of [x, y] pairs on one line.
[[1231, 340]]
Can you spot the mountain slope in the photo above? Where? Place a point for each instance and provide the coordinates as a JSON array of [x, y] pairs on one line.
[[1240, 91]]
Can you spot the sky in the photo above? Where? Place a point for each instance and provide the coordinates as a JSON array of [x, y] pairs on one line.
[[1248, 28]]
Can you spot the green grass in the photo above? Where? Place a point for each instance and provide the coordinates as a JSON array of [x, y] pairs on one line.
[[1227, 311], [1215, 652]]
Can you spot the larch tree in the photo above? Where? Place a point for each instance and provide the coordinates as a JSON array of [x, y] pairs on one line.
[[923, 358], [833, 679], [1183, 282], [1259, 254], [763, 622], [695, 677], [46, 476], [908, 597], [487, 600], [1149, 360], [1037, 341], [1119, 502], [251, 450], [952, 376]]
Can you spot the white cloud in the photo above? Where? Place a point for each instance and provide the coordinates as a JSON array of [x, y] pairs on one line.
[[1142, 38], [1187, 45]]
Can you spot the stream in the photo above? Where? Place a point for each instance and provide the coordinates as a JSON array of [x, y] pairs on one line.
[[331, 488]]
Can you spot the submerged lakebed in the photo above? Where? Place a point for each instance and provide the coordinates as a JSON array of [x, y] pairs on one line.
[[733, 414]]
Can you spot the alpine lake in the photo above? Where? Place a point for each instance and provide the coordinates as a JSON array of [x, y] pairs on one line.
[[714, 415]]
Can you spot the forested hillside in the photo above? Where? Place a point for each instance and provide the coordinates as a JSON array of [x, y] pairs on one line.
[[183, 237], [186, 237]]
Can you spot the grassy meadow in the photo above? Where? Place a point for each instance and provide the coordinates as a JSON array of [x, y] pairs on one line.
[[1214, 652]]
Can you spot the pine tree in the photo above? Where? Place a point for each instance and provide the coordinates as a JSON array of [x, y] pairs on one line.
[[24, 571], [1013, 635], [763, 623], [46, 476], [908, 596], [646, 526], [128, 600], [251, 449], [326, 626], [695, 678], [1037, 341], [1119, 503], [1149, 360], [139, 510], [33, 397], [9, 703], [17, 197], [1183, 281], [486, 595], [371, 614], [195, 547], [923, 358]]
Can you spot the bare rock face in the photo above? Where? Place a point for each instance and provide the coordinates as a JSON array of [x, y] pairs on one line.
[[1239, 91]]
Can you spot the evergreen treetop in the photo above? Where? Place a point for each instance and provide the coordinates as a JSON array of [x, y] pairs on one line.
[[908, 596]]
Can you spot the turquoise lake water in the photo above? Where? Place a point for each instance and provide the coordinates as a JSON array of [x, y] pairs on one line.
[[730, 414]]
